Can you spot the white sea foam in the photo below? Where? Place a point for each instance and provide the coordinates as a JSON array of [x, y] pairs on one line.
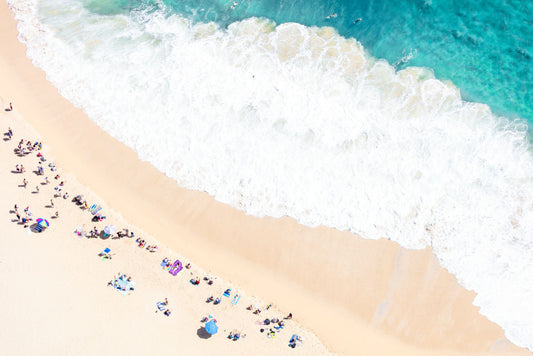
[[298, 121]]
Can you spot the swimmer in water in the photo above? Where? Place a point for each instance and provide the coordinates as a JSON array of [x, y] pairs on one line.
[[357, 20], [332, 16], [234, 5]]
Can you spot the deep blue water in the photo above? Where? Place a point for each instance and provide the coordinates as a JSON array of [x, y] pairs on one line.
[[484, 48]]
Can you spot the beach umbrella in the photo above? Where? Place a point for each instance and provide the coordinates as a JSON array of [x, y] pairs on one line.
[[211, 327], [42, 222], [110, 229]]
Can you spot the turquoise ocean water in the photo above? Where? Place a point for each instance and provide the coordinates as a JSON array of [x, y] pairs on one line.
[[486, 49], [405, 120]]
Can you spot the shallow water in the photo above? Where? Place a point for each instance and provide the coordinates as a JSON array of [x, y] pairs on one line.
[[298, 120]]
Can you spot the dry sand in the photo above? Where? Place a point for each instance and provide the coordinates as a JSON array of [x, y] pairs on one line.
[[358, 296]]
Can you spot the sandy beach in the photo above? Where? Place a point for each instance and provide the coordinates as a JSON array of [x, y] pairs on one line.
[[348, 295]]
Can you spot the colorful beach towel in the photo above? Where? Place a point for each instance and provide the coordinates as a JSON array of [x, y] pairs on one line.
[[95, 208]]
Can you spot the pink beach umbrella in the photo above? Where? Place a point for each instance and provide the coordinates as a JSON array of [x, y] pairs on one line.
[[43, 222]]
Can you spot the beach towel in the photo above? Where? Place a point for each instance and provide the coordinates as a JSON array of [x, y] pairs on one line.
[[295, 341], [176, 267], [95, 208], [161, 306], [236, 299], [124, 286], [227, 293]]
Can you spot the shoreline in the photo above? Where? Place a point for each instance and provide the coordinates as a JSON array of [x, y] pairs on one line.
[[333, 282]]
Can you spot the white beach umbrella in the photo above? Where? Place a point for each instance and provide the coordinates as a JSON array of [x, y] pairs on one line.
[[110, 229]]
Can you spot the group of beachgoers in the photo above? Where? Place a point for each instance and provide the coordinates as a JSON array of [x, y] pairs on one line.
[[24, 148], [122, 282]]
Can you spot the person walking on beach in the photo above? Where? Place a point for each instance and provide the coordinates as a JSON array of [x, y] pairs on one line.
[[24, 182], [10, 107], [52, 203], [37, 188]]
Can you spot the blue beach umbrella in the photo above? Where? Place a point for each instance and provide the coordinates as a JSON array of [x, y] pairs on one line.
[[211, 327]]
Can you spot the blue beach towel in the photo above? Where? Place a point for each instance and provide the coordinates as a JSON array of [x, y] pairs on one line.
[[236, 299]]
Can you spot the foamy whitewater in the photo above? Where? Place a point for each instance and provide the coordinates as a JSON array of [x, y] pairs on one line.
[[298, 121]]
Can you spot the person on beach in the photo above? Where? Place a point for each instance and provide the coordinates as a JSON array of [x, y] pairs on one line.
[[52, 203], [37, 189], [22, 169], [10, 107], [288, 317], [24, 182], [46, 181], [57, 214]]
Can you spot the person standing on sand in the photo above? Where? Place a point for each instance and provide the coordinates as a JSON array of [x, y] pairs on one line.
[[24, 182], [10, 107]]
